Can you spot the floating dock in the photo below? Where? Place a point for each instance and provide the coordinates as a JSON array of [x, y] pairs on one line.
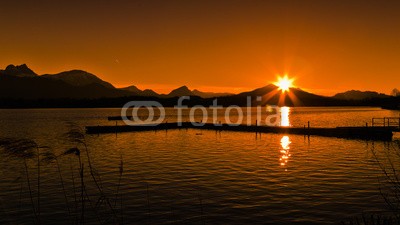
[[366, 133]]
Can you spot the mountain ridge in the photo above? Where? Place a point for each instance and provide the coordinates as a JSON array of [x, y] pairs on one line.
[[78, 78], [180, 91], [20, 82], [18, 71], [359, 95]]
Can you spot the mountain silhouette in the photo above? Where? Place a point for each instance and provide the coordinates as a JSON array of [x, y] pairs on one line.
[[359, 95], [133, 89], [43, 88], [149, 93], [271, 95], [185, 91], [18, 71], [22, 87], [181, 91], [260, 91], [20, 82], [136, 91], [78, 78], [209, 94]]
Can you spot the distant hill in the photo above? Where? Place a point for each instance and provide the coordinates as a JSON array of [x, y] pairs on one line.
[[133, 89], [78, 78], [20, 82], [359, 95], [209, 94], [20, 86], [18, 71], [69, 84], [181, 91], [136, 91], [271, 95], [185, 91], [149, 93]]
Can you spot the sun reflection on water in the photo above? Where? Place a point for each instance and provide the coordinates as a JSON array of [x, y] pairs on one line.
[[285, 154], [285, 116]]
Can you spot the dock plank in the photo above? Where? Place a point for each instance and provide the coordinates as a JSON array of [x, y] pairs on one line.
[[366, 133]]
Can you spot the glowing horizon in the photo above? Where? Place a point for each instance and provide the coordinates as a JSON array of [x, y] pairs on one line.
[[173, 43]]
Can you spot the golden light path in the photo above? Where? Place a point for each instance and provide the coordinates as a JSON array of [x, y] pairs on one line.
[[285, 142], [285, 116]]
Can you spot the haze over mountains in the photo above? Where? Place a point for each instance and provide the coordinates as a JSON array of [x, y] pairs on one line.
[[21, 83]]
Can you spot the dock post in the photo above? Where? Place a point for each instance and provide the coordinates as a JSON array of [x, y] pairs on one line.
[[366, 124], [308, 126], [256, 128]]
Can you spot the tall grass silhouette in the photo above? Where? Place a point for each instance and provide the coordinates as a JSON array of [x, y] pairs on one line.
[[390, 189], [78, 204], [389, 186]]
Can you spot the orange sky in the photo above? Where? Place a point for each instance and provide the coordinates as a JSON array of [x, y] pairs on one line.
[[232, 45]]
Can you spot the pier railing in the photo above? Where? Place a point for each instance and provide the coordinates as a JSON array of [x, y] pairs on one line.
[[386, 122]]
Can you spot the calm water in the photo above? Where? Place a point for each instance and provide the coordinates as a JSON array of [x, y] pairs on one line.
[[197, 177]]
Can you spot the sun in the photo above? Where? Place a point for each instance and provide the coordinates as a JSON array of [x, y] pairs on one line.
[[284, 83]]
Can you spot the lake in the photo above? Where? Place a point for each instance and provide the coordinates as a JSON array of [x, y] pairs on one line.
[[192, 176]]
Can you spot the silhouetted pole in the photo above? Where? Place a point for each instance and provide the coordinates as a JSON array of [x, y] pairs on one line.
[[399, 120]]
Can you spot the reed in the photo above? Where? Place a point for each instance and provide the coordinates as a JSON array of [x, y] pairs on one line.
[[390, 185], [77, 136], [117, 192], [27, 150], [23, 148], [38, 183], [30, 190], [49, 157], [201, 209], [73, 188]]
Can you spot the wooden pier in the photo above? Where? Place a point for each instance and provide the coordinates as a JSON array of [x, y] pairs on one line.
[[386, 122], [384, 133]]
